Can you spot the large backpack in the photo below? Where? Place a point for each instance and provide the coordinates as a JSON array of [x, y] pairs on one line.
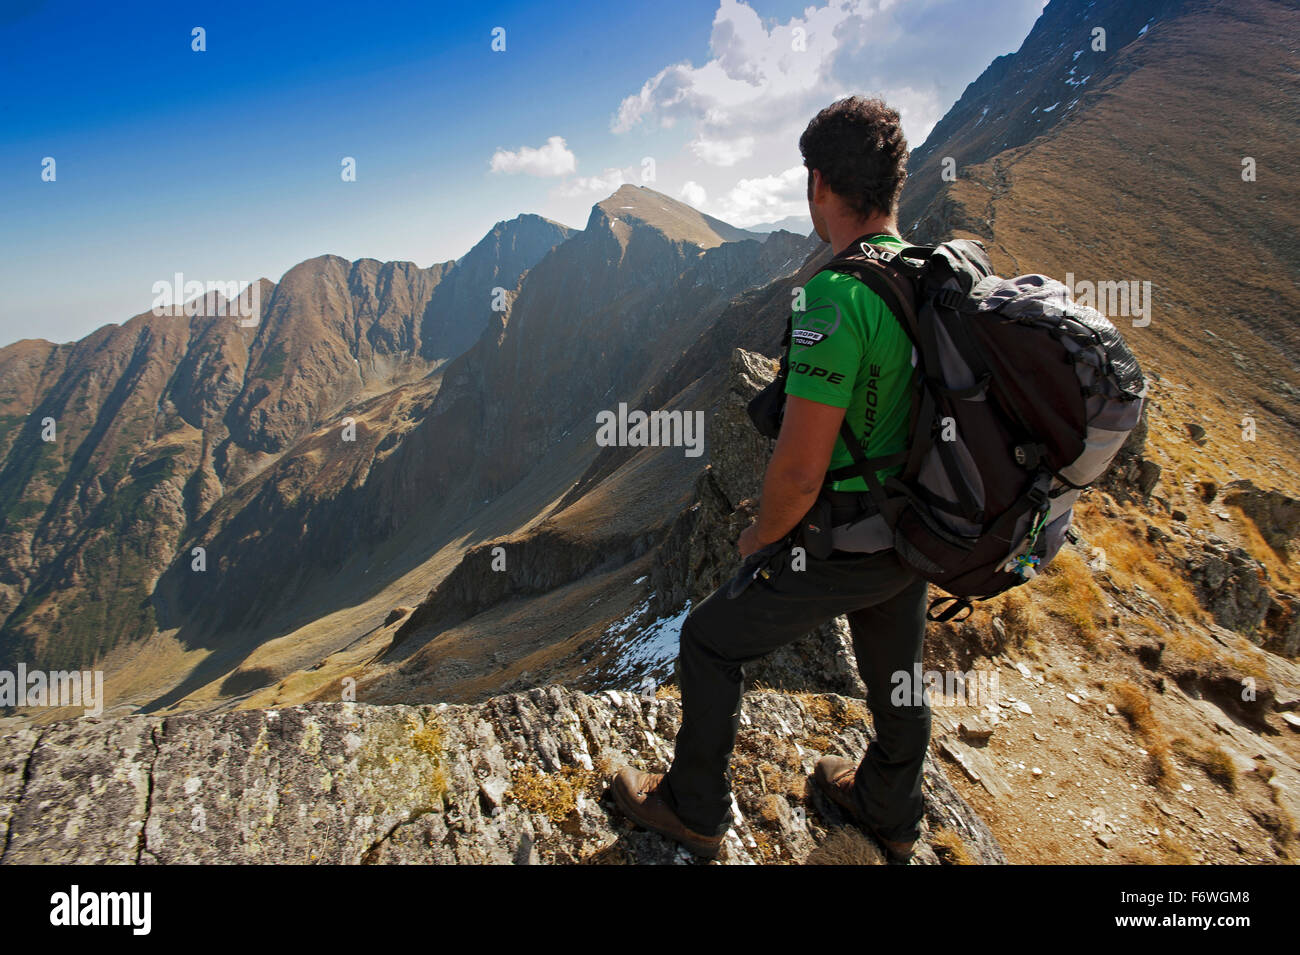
[[1021, 399]]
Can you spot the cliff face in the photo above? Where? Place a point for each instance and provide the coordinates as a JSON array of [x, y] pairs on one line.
[[460, 308], [516, 779]]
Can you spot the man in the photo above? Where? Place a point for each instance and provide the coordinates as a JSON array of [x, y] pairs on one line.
[[849, 360]]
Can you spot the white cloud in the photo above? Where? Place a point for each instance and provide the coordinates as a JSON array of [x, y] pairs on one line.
[[760, 81], [730, 126], [764, 81], [724, 152], [604, 183], [765, 198], [693, 194], [553, 159]]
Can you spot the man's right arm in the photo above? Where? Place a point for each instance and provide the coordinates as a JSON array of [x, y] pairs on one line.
[[796, 471]]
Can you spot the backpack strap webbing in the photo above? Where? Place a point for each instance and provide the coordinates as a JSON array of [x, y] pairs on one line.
[[898, 294]]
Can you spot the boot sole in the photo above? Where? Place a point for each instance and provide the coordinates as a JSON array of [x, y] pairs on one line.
[[708, 852]]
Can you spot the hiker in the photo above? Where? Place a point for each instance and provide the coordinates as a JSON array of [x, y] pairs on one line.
[[849, 362]]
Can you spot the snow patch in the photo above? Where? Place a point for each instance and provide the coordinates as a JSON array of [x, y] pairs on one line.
[[646, 653]]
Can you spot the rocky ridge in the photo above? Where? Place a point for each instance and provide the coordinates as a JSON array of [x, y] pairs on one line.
[[516, 779]]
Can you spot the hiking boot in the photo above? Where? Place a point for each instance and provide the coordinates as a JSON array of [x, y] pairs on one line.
[[637, 795], [834, 776]]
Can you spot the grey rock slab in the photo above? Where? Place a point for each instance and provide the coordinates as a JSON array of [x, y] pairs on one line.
[[15, 751], [87, 793], [517, 779]]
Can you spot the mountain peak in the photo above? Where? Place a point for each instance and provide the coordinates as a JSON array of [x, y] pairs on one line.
[[638, 205], [529, 220]]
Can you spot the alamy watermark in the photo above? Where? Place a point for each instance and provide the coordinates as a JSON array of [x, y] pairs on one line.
[[657, 429], [955, 688], [130, 909], [84, 688], [1129, 299], [236, 299]]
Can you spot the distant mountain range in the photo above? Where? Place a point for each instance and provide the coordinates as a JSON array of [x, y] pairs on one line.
[[174, 434], [799, 225], [225, 511]]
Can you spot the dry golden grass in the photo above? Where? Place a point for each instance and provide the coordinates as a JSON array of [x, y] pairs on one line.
[[555, 795], [1023, 621], [950, 848], [768, 851], [1130, 560], [1074, 596], [1217, 764], [1279, 821], [838, 712], [1284, 573], [1172, 590], [845, 846], [773, 779], [1250, 663], [1134, 705], [1173, 852], [427, 740], [1188, 647], [772, 809]]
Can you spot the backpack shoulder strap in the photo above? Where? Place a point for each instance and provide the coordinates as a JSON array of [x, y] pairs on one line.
[[889, 275], [884, 272]]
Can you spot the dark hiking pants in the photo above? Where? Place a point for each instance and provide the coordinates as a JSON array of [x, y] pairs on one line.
[[885, 603]]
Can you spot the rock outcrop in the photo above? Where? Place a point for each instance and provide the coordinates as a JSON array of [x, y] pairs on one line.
[[1232, 585], [516, 779], [1276, 514], [1132, 476], [699, 551]]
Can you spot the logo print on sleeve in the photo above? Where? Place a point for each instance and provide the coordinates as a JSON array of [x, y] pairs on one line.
[[816, 324]]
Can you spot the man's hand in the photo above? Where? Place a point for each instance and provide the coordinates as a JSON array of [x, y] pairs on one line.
[[749, 541]]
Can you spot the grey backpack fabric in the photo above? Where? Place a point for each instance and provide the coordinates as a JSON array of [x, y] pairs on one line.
[[1022, 398]]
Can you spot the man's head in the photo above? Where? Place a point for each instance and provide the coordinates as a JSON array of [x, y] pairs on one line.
[[856, 157]]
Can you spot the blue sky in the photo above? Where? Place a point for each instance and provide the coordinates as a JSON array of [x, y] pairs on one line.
[[225, 164]]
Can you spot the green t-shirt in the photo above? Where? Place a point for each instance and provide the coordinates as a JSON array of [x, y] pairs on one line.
[[848, 350]]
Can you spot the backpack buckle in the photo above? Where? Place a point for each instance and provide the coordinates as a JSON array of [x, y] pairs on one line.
[[1038, 497], [1028, 456], [871, 252], [950, 298]]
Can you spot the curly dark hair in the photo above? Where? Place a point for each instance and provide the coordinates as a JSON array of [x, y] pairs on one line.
[[858, 145]]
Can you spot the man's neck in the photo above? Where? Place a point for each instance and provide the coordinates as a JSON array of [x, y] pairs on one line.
[[846, 230]]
